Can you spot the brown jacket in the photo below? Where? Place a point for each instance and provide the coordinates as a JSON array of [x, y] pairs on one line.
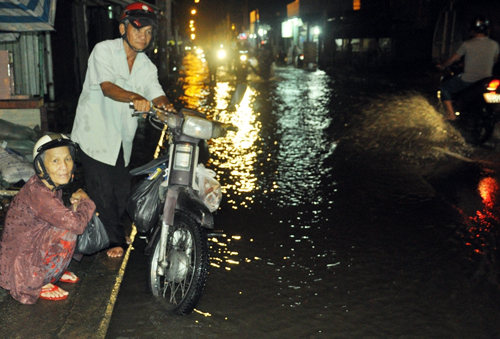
[[25, 240]]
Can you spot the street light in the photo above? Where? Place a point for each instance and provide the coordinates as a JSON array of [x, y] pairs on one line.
[[193, 11]]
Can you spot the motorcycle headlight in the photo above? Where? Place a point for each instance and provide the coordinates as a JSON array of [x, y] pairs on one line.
[[243, 57], [221, 54], [197, 127]]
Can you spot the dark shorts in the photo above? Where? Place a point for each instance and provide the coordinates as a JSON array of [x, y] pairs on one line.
[[451, 86]]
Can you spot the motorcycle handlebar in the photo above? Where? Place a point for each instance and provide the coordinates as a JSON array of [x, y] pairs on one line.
[[163, 117], [231, 128]]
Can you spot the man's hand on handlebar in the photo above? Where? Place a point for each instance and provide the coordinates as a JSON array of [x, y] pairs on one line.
[[168, 108], [141, 104]]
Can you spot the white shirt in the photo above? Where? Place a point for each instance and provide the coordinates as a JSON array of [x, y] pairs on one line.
[[101, 124], [480, 53]]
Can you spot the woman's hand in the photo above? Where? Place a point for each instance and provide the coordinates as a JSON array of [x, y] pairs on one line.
[[76, 197]]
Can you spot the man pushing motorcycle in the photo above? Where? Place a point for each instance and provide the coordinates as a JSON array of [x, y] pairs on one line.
[[480, 53], [118, 73]]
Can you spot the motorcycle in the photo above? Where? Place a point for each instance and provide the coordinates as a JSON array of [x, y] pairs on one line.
[[188, 194], [477, 107], [242, 65], [300, 61]]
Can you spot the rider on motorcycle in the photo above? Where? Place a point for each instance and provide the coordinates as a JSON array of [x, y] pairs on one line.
[[481, 54]]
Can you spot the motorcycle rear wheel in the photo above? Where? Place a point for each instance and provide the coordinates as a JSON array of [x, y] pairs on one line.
[[482, 127], [185, 276]]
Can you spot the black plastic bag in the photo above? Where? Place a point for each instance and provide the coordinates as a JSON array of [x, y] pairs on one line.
[[94, 238], [143, 203]]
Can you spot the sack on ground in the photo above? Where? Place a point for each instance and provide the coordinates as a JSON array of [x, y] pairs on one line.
[[10, 130], [14, 167], [143, 202], [209, 189], [93, 239], [23, 147]]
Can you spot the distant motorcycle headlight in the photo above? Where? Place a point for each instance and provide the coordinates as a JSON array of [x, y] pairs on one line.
[[197, 127], [221, 54], [243, 57]]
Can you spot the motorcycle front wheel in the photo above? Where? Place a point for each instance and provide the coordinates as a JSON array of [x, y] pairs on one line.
[[183, 280]]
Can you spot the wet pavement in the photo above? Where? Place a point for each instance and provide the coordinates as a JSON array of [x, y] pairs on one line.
[[84, 314], [350, 211]]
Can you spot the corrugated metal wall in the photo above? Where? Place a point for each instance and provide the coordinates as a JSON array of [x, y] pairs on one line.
[[28, 63]]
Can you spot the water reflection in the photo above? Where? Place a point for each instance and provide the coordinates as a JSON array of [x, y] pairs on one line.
[[482, 229], [278, 153], [292, 148], [236, 154], [194, 88], [302, 119], [233, 156]]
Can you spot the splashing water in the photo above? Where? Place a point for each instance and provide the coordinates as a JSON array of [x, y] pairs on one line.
[[407, 126]]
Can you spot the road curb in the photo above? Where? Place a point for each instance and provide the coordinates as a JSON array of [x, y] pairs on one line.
[[92, 311]]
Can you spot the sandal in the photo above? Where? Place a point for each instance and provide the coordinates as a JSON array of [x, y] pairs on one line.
[[51, 289], [73, 280]]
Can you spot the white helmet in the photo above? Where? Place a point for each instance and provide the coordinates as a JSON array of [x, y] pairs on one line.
[[47, 142]]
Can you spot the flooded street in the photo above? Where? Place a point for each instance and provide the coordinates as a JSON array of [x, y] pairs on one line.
[[345, 214]]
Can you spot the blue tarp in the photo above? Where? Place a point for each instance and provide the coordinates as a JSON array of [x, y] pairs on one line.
[[27, 15]]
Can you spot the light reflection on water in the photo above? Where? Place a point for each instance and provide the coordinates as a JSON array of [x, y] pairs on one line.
[[286, 162], [481, 236], [193, 74], [278, 154], [302, 117], [235, 155]]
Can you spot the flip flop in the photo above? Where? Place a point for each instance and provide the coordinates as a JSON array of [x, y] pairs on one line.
[[71, 281], [52, 289]]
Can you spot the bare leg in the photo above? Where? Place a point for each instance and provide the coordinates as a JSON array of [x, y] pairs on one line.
[[450, 112]]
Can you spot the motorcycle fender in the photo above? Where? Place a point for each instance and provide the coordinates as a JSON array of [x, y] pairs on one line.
[[193, 206]]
